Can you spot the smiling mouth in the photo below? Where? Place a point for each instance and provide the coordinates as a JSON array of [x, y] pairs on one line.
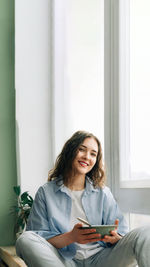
[[82, 163]]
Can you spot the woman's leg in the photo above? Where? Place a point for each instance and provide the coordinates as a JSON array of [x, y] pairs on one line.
[[132, 249], [36, 251]]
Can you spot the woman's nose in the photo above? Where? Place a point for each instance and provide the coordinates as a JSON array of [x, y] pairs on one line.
[[87, 155]]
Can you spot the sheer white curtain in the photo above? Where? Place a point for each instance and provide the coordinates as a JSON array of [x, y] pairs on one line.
[[78, 68], [59, 80]]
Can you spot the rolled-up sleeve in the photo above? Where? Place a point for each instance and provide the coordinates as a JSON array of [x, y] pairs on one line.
[[39, 223]]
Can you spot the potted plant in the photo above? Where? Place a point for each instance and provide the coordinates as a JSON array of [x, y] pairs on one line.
[[22, 209]]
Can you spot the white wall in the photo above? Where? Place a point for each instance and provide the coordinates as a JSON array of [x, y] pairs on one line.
[[33, 92]]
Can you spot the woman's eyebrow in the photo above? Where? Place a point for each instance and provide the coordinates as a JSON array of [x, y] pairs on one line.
[[92, 149]]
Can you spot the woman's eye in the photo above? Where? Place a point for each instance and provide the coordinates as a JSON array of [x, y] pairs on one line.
[[81, 149], [93, 155]]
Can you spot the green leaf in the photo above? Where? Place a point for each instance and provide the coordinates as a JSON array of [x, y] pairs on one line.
[[31, 199], [24, 195], [30, 203], [26, 199], [17, 190]]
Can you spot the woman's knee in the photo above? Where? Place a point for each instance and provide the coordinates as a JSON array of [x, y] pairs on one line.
[[26, 239], [23, 241], [31, 240], [142, 231], [141, 235]]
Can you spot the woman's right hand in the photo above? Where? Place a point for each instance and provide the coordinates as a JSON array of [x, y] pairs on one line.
[[84, 236]]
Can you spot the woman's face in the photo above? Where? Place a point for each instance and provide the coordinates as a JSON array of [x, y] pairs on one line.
[[86, 156]]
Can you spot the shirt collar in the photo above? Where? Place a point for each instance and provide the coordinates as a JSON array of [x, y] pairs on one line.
[[89, 186], [59, 185]]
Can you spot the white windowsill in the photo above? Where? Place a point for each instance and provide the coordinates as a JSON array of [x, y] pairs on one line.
[[135, 183]]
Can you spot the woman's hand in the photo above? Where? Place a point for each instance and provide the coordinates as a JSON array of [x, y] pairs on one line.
[[84, 236], [114, 238]]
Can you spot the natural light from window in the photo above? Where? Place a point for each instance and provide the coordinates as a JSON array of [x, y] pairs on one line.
[[82, 68], [139, 89]]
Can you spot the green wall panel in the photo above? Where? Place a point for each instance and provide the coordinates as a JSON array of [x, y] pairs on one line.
[[8, 176]]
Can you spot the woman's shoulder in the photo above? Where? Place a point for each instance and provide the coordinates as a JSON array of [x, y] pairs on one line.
[[106, 190], [51, 185], [107, 193], [48, 185], [44, 188]]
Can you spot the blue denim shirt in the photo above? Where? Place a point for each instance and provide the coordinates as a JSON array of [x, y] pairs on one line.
[[51, 210]]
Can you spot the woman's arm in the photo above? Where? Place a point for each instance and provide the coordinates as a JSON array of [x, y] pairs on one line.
[[77, 234]]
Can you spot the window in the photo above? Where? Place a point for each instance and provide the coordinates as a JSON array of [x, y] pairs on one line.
[[126, 86], [134, 93]]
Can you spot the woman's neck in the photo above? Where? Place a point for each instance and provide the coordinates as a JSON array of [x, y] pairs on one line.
[[76, 183]]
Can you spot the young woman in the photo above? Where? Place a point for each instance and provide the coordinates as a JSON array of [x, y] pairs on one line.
[[76, 188]]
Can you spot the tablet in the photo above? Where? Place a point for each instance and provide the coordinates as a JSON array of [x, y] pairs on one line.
[[101, 229]]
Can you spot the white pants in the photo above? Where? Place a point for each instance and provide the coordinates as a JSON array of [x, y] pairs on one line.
[[132, 249]]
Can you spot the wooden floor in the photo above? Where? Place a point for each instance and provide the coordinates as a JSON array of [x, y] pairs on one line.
[[8, 255]]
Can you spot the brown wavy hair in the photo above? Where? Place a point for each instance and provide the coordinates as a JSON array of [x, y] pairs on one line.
[[63, 164]]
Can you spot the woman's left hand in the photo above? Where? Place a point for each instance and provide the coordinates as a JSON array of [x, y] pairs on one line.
[[114, 237]]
